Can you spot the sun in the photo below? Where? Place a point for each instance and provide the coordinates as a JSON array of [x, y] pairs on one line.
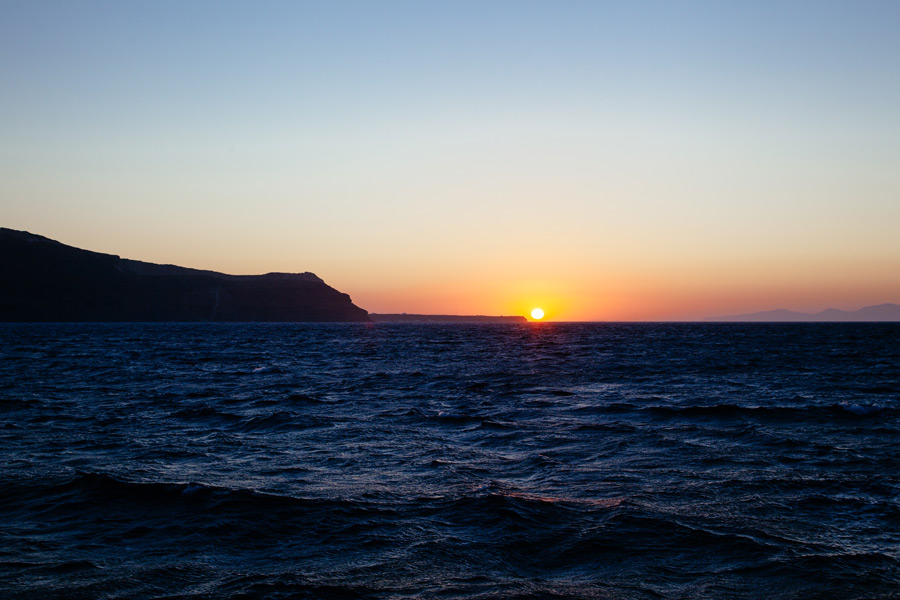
[[537, 314]]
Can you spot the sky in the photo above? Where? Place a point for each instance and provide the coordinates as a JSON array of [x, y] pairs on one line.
[[647, 160]]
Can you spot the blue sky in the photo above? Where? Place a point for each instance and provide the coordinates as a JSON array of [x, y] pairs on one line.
[[612, 160]]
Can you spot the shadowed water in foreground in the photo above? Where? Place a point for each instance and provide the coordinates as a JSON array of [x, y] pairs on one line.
[[387, 460]]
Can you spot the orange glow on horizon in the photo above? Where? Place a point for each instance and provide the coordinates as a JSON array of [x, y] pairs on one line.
[[626, 292]]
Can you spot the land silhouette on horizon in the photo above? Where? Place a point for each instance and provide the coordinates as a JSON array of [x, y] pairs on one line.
[[42, 280], [413, 318], [45, 280], [887, 312]]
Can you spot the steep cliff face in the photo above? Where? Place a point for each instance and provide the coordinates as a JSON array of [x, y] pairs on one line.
[[44, 280]]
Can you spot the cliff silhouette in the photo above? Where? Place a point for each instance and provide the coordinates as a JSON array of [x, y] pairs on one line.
[[44, 280]]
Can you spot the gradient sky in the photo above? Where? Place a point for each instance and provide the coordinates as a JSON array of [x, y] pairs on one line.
[[604, 160]]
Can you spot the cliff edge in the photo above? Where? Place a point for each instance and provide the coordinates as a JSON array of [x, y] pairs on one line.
[[44, 280]]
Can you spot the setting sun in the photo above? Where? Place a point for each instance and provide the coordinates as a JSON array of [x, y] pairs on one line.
[[537, 314]]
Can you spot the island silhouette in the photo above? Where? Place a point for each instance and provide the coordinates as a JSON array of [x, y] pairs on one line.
[[879, 313], [412, 318]]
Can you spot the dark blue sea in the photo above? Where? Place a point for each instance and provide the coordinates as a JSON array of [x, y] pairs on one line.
[[609, 461]]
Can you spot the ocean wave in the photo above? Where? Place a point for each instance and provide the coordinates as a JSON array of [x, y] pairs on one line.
[[567, 461], [780, 413]]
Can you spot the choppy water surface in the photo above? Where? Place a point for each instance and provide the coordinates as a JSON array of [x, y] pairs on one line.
[[450, 461]]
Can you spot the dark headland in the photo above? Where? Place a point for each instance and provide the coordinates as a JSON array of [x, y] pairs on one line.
[[44, 280], [405, 318]]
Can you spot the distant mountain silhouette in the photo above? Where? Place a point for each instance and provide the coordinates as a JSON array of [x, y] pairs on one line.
[[878, 313], [44, 280], [405, 318]]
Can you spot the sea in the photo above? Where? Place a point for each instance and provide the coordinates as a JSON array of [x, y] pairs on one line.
[[451, 461]]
